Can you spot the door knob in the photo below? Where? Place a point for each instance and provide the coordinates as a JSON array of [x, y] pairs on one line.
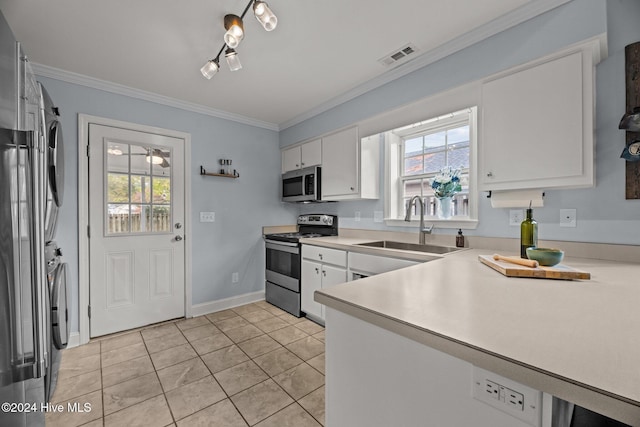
[[178, 238]]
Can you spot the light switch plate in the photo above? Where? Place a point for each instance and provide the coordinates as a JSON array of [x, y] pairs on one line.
[[207, 217]]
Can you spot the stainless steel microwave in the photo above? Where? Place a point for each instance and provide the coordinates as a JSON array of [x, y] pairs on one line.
[[302, 185]]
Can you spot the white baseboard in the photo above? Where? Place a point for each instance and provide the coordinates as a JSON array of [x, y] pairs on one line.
[[74, 340], [223, 304], [199, 310]]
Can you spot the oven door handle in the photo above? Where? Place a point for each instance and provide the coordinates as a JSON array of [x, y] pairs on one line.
[[282, 246]]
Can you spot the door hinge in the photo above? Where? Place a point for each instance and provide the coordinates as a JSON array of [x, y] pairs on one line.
[[88, 151], [88, 232], [89, 311]]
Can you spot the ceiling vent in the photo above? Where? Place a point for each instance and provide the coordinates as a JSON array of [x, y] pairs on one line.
[[398, 56]]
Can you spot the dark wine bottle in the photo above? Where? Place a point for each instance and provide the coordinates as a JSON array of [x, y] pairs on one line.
[[528, 233]]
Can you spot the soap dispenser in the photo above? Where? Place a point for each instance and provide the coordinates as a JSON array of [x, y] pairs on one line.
[[460, 239], [528, 233]]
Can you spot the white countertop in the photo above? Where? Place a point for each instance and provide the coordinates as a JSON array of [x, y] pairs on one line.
[[579, 340]]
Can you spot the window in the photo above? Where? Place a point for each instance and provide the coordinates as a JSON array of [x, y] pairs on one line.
[[138, 189], [416, 154]]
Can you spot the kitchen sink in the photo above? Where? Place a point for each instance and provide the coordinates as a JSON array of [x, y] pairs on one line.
[[389, 244]]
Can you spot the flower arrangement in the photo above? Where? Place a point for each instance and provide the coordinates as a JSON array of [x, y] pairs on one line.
[[447, 182]]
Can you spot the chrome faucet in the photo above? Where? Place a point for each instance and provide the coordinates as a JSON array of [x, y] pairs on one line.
[[423, 230]]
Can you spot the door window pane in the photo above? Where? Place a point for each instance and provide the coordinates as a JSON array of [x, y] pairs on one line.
[[140, 189], [118, 188], [161, 190], [161, 218], [118, 218]]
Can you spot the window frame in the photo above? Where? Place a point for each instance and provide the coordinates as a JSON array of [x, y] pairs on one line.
[[394, 141]]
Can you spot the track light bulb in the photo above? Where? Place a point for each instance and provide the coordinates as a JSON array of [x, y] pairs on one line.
[[264, 15], [235, 30], [210, 69], [232, 59]]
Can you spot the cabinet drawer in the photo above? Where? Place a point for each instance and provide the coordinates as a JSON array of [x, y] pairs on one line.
[[325, 255]]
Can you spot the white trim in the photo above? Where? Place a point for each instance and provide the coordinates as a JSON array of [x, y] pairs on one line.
[[528, 11], [223, 304], [74, 340], [92, 82], [83, 211]]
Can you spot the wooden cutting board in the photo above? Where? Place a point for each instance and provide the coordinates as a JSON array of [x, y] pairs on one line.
[[560, 271]]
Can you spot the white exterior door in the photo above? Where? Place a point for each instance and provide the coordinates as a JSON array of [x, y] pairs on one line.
[[136, 224]]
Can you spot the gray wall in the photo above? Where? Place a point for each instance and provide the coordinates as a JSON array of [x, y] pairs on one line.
[[233, 243], [603, 213]]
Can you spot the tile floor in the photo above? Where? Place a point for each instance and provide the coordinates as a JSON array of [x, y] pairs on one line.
[[250, 365]]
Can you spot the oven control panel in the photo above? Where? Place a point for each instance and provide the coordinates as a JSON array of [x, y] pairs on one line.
[[315, 219]]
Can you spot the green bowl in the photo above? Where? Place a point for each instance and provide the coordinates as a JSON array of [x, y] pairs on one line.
[[545, 256]]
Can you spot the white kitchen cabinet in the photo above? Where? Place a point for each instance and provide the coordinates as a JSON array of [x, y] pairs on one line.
[[302, 156], [537, 124], [321, 267], [350, 166]]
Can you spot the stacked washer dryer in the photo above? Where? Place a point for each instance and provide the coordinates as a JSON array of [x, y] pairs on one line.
[[56, 269]]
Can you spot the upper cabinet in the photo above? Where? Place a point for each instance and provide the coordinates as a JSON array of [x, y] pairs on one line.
[[302, 156], [350, 166], [537, 126]]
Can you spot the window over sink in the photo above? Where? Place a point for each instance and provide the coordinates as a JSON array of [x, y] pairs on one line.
[[414, 156]]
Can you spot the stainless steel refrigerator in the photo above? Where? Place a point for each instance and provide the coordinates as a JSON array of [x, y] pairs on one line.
[[24, 322]]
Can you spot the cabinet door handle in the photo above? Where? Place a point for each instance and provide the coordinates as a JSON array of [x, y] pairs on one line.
[[490, 174], [320, 255], [302, 163], [317, 270], [351, 188], [324, 273], [297, 165]]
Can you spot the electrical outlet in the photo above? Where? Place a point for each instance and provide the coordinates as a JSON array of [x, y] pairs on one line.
[[357, 216], [516, 216], [207, 216], [378, 216], [568, 217], [508, 396], [234, 277], [492, 389]]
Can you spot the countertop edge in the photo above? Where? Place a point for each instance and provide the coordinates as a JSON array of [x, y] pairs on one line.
[[601, 401]]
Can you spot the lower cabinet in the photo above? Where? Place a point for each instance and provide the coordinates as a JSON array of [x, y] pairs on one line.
[[321, 267]]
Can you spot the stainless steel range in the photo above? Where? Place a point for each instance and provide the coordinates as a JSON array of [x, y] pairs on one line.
[[282, 287]]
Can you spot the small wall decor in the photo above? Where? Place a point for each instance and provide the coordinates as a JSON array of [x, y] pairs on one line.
[[631, 121]]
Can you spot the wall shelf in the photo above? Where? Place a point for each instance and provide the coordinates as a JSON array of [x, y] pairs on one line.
[[223, 175]]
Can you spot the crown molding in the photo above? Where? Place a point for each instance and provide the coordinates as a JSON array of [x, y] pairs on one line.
[[509, 20], [82, 80]]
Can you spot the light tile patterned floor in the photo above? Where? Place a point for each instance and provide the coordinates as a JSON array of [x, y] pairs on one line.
[[250, 365]]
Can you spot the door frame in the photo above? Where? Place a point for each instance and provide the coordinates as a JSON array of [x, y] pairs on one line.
[[84, 120]]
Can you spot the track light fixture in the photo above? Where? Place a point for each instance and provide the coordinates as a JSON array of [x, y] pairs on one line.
[[234, 35]]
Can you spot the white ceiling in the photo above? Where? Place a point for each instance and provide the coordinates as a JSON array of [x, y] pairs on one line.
[[320, 50]]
